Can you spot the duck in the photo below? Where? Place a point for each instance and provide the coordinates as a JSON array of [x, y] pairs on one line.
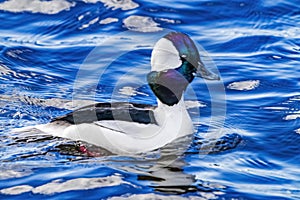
[[134, 128]]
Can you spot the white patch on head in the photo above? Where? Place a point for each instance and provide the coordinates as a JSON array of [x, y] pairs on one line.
[[164, 56]]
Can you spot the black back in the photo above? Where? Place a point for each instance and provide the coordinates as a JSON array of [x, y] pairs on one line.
[[124, 111]]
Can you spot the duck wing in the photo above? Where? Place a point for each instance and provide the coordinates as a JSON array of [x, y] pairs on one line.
[[121, 111]]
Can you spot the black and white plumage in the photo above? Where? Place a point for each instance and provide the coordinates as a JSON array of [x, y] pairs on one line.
[[127, 128]]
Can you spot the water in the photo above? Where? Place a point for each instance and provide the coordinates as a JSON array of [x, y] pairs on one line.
[[251, 149]]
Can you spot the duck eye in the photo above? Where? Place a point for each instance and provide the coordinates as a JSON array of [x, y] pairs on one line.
[[183, 57]]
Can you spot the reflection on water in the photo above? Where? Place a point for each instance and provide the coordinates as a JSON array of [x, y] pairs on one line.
[[141, 24], [250, 150], [161, 170], [55, 6], [244, 85], [36, 6]]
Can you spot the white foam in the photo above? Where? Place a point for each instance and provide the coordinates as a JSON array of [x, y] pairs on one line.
[[57, 186], [130, 91], [292, 117], [244, 85], [36, 6], [108, 20], [123, 5], [16, 190], [93, 21], [141, 24], [56, 6]]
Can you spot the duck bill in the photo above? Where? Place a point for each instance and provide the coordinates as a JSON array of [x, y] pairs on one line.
[[203, 72]]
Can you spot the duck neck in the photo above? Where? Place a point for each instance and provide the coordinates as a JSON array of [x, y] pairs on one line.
[[166, 112], [174, 118], [166, 107], [187, 70]]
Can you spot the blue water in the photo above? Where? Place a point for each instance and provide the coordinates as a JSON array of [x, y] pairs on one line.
[[247, 144]]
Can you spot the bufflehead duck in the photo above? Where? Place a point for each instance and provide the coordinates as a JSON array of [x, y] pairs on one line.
[[130, 128]]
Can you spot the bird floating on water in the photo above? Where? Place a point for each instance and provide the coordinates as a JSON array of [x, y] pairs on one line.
[[130, 128]]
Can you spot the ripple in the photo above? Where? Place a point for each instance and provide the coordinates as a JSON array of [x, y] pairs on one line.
[[51, 102], [256, 47], [153, 196], [194, 104], [225, 34], [52, 7], [108, 20], [290, 107], [14, 173], [122, 4], [170, 21], [93, 21], [130, 91], [141, 24], [292, 117], [244, 85], [57, 186], [204, 146], [4, 70], [36, 6], [19, 189]]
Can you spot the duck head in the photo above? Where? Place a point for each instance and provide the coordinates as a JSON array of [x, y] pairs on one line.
[[175, 62]]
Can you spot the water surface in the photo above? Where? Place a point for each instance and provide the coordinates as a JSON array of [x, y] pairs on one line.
[[254, 151]]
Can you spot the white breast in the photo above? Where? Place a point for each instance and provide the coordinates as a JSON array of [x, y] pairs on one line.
[[164, 56]]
